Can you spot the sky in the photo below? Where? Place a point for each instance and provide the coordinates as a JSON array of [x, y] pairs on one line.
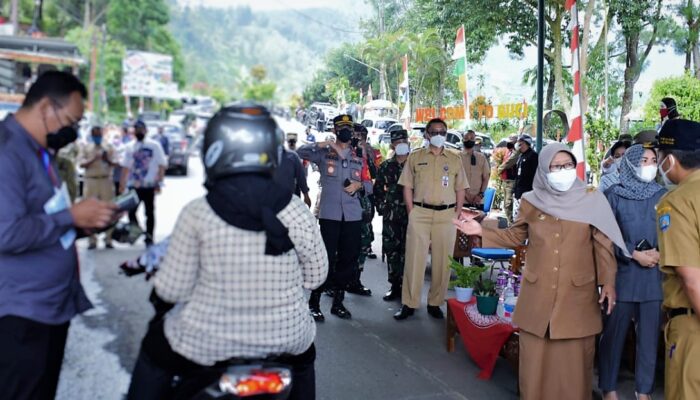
[[266, 5]]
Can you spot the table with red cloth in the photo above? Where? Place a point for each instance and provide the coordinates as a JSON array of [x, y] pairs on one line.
[[484, 336]]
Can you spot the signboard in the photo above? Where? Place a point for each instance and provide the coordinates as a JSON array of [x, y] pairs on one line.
[[501, 111], [148, 75]]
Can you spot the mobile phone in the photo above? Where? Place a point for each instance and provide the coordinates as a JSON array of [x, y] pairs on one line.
[[347, 183], [643, 245], [127, 201]]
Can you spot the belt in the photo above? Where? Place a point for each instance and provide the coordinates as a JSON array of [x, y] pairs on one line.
[[97, 177], [432, 207], [675, 312]]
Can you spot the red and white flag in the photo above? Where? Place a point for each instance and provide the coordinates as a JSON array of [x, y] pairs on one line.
[[460, 69], [406, 95], [576, 135]]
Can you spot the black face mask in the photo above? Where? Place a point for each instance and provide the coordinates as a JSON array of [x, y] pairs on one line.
[[140, 136], [61, 138], [510, 146], [469, 144], [354, 142], [344, 135]]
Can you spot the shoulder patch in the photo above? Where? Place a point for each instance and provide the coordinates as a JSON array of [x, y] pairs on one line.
[[664, 222]]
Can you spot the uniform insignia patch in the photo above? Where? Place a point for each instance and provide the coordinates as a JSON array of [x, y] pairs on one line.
[[664, 222]]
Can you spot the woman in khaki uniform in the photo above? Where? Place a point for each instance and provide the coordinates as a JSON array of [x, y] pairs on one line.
[[570, 253]]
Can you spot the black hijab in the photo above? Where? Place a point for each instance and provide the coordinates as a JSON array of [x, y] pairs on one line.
[[252, 202]]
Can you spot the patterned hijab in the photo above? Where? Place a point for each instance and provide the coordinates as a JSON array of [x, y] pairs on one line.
[[578, 204], [630, 185]]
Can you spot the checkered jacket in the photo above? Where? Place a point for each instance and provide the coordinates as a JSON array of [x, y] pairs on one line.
[[232, 299]]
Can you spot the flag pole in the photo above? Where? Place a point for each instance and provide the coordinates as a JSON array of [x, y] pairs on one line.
[[466, 89], [540, 73]]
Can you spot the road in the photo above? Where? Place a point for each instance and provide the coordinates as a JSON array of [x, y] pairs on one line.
[[371, 357]]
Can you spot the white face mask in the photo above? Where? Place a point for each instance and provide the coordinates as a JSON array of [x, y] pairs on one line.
[[437, 140], [402, 149], [617, 161], [647, 173], [667, 182], [563, 180]]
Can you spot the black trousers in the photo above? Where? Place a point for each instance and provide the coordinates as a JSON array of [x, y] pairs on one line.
[[31, 354], [158, 364], [148, 197], [342, 240]]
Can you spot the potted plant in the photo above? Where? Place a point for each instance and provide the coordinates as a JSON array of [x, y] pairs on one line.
[[486, 297], [467, 277]]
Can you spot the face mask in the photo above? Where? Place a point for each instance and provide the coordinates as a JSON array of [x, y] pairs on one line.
[[354, 142], [562, 181], [664, 113], [647, 173], [617, 161], [469, 144], [344, 135], [97, 140], [402, 149], [61, 138], [437, 141], [140, 136], [667, 181], [517, 147]]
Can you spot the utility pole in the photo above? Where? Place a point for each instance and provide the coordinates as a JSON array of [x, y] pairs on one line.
[[382, 66], [14, 16], [93, 70], [87, 17]]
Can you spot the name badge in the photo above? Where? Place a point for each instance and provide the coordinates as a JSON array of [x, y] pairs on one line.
[[60, 201], [445, 181]]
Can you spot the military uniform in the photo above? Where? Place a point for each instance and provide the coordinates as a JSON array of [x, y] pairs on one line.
[[388, 197], [65, 160], [434, 179], [678, 217], [97, 181]]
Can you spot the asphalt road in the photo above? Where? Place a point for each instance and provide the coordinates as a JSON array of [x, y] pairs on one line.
[[369, 357]]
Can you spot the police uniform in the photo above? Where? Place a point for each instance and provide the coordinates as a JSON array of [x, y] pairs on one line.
[[340, 214], [98, 177], [434, 179], [388, 197], [678, 217]]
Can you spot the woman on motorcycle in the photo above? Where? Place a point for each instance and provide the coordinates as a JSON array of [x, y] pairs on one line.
[[232, 283]]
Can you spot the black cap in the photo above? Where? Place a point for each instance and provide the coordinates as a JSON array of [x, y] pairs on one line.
[[399, 135], [646, 138], [359, 128], [342, 120], [680, 134]]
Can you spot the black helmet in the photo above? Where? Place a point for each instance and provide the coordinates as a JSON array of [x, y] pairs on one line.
[[241, 138]]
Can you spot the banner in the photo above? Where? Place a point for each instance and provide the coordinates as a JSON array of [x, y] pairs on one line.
[[148, 75], [488, 111]]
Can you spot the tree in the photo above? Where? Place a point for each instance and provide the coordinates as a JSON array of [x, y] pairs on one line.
[[639, 22], [685, 36], [684, 89], [258, 88]]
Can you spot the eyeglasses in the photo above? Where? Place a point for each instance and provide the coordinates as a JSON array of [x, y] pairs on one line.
[[75, 124], [559, 167], [441, 133]]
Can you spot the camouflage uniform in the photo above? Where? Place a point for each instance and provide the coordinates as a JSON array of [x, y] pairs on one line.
[[388, 197], [66, 158], [367, 203]]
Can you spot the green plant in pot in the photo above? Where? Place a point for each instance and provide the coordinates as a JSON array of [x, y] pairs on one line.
[[467, 277], [486, 297]]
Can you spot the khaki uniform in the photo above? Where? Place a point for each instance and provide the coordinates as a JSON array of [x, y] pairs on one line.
[[557, 311], [477, 175], [678, 217], [434, 180], [98, 177]]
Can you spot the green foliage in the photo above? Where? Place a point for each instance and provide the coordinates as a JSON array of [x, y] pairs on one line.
[[601, 135], [467, 276], [485, 287], [685, 89]]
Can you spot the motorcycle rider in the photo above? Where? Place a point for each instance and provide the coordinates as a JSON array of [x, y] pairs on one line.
[[232, 282]]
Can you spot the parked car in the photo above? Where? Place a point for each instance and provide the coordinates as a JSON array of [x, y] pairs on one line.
[[178, 145], [487, 146], [377, 126]]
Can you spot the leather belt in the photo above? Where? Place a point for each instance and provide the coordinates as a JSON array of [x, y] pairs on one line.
[[676, 312], [432, 207]]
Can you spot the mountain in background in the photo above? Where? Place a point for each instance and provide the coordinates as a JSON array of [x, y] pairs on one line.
[[220, 45]]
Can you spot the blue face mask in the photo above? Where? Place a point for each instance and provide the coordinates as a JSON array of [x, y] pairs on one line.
[[97, 140]]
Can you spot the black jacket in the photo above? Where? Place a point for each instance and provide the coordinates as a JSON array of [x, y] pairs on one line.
[[527, 167]]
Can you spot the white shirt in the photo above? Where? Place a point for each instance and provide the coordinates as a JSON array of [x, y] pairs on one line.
[[144, 159]]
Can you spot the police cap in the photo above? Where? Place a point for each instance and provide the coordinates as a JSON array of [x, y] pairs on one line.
[[680, 134], [399, 134], [342, 120]]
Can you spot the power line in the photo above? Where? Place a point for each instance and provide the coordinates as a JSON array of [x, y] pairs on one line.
[[335, 28]]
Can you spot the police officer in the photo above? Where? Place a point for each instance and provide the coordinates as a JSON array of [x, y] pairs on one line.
[[388, 197], [434, 185], [678, 216], [340, 214], [97, 158]]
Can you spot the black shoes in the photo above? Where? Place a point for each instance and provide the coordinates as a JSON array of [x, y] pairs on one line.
[[393, 294], [404, 313], [359, 289], [338, 309], [372, 256], [315, 307], [435, 312]]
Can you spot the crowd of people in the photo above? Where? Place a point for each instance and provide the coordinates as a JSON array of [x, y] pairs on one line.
[[233, 281]]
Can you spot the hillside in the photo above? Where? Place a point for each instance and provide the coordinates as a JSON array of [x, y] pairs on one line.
[[220, 45]]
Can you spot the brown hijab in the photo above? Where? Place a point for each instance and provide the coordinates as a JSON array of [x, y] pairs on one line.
[[577, 204]]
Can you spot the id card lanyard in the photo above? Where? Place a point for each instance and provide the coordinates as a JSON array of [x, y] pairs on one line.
[[46, 161]]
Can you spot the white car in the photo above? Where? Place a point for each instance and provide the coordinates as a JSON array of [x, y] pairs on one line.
[[377, 126]]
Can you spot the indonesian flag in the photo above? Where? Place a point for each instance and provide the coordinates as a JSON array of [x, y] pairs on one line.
[[575, 116], [460, 69], [406, 114], [460, 46]]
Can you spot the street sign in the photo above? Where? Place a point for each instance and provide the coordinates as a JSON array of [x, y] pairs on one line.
[[148, 75]]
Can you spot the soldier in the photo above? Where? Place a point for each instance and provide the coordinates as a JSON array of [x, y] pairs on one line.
[[340, 214], [97, 157], [65, 159], [434, 185], [679, 245], [505, 160], [388, 198]]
